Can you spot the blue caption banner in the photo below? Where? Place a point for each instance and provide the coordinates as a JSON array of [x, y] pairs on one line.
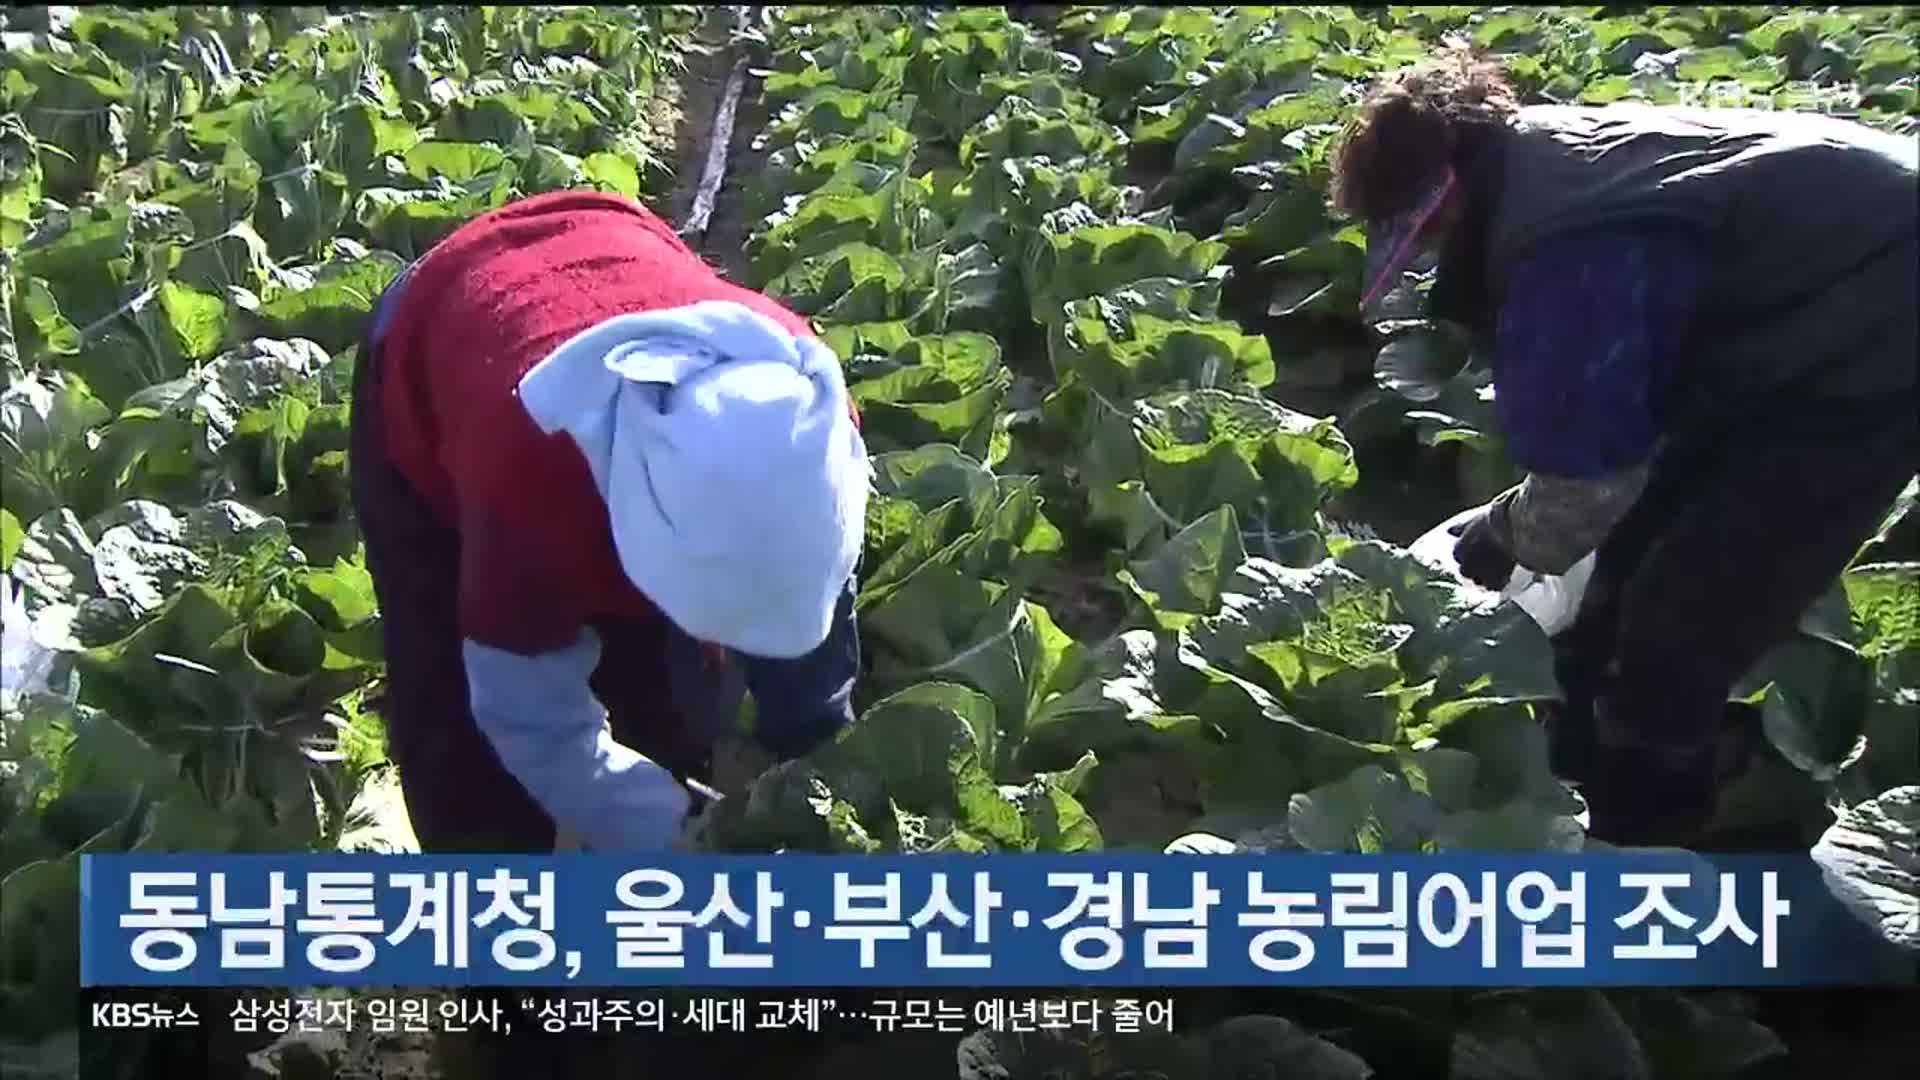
[[1013, 920]]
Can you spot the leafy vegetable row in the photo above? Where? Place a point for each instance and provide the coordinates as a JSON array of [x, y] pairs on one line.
[[948, 206], [1239, 105], [949, 203], [1113, 590], [1268, 675], [197, 209]]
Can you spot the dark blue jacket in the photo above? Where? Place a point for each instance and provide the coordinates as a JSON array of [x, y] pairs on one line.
[[1591, 330]]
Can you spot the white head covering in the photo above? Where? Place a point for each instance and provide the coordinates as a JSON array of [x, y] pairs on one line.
[[735, 478]]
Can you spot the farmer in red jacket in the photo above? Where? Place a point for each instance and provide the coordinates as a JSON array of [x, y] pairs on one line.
[[589, 472], [1702, 329]]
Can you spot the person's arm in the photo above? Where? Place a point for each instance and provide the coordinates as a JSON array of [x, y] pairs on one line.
[[804, 702], [552, 735], [1549, 523], [529, 658], [1589, 335]]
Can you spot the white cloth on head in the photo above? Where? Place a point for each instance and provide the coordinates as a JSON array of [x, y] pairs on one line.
[[735, 478]]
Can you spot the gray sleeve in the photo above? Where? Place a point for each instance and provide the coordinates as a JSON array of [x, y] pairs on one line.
[[1548, 523], [550, 732]]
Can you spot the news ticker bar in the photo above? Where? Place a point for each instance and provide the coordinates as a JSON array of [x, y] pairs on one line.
[[438, 1013]]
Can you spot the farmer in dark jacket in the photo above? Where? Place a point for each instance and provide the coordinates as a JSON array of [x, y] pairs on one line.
[[590, 472], [1703, 336]]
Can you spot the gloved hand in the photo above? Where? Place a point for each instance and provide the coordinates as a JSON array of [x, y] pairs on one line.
[[692, 835], [1479, 555]]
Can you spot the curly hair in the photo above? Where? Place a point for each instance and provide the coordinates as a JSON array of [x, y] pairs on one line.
[[1413, 121]]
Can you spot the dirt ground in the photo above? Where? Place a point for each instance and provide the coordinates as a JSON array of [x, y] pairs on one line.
[[709, 68]]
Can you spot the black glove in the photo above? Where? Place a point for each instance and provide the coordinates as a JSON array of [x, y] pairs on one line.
[[1479, 555]]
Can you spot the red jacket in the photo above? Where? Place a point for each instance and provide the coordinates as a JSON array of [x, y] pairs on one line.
[[480, 309]]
